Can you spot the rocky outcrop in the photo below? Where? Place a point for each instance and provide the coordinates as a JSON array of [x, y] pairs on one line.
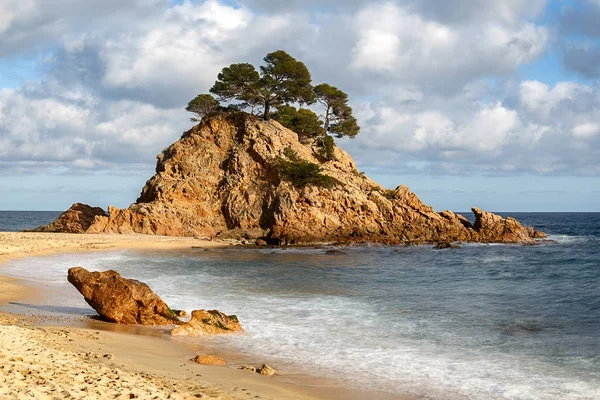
[[121, 300], [76, 219], [210, 322], [223, 179]]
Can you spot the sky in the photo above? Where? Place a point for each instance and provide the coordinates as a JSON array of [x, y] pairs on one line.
[[489, 103]]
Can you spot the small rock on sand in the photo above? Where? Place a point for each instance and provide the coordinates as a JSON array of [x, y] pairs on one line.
[[208, 360], [267, 370]]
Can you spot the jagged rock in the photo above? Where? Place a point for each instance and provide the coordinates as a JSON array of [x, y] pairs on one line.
[[264, 370], [121, 300], [76, 219], [260, 242], [221, 179], [208, 360], [181, 313], [267, 370], [446, 245], [210, 322]]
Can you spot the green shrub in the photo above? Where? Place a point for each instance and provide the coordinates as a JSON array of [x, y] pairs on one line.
[[327, 151], [302, 121], [302, 173]]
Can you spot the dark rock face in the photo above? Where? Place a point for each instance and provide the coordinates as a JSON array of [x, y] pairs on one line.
[[121, 300], [76, 219], [211, 322], [221, 180], [446, 245]]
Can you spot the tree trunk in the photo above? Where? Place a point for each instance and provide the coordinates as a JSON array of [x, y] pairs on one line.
[[267, 115], [327, 118]]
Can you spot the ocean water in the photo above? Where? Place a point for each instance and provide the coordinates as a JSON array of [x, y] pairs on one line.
[[479, 322], [16, 221]]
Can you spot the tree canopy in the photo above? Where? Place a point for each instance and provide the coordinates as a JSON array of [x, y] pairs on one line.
[[302, 121], [338, 118], [279, 89], [202, 105], [282, 80]]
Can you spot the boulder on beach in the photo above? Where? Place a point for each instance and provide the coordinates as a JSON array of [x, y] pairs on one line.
[[121, 300], [211, 322]]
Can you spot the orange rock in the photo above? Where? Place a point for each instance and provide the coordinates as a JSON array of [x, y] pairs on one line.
[[210, 322], [76, 219], [221, 179], [208, 360], [267, 370], [121, 300]]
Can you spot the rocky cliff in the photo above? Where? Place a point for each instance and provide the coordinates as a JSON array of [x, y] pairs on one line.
[[223, 179]]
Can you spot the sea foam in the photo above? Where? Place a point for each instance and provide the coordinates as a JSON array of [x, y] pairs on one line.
[[436, 323]]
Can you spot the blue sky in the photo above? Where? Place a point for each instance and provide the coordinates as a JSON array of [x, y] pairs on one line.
[[492, 104]]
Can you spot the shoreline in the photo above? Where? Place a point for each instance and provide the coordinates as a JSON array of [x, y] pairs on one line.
[[148, 360]]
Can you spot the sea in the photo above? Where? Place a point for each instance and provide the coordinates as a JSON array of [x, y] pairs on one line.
[[485, 321]]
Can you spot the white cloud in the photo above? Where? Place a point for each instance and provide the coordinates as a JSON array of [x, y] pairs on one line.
[[27, 24], [586, 130], [38, 129], [12, 10], [549, 130], [407, 47], [538, 98], [376, 50], [482, 132], [418, 76], [181, 45]]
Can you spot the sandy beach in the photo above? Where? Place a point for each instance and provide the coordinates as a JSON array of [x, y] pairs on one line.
[[56, 361]]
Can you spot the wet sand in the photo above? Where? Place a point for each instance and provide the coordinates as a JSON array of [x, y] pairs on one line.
[[84, 359]]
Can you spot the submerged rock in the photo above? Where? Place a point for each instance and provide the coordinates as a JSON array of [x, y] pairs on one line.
[[210, 322], [121, 300], [334, 252], [222, 179], [446, 245]]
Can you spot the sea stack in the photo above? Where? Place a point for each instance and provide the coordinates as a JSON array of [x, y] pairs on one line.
[[224, 179]]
